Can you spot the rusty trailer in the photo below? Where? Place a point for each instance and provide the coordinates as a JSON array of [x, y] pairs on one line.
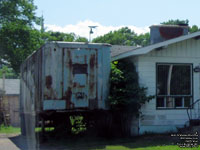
[[64, 77]]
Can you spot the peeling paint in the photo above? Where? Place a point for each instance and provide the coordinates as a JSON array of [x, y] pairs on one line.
[[48, 81], [68, 98], [67, 73]]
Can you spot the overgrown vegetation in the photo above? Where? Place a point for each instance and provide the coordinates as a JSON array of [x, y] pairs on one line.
[[125, 92], [78, 124], [126, 96]]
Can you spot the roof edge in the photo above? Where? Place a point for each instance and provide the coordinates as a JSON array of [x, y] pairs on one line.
[[149, 48]]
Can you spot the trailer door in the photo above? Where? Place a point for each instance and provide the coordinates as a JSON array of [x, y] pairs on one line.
[[80, 77]]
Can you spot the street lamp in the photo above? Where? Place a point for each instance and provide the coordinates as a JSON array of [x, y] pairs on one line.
[[91, 31]]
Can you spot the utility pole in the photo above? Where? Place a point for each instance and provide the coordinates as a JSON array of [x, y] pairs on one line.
[[42, 24], [4, 103], [4, 80]]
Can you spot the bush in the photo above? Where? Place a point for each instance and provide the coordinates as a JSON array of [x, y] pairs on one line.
[[126, 96]]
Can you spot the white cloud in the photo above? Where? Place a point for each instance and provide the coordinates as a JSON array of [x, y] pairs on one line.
[[81, 28]]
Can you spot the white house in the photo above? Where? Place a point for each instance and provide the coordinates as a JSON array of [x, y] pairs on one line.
[[170, 69]]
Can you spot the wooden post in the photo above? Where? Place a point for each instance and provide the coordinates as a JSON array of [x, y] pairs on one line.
[[5, 104]]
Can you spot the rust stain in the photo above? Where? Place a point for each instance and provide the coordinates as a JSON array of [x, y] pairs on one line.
[[81, 86], [48, 82], [75, 84], [49, 92], [92, 61], [91, 87], [69, 66], [70, 59], [68, 97], [92, 77]]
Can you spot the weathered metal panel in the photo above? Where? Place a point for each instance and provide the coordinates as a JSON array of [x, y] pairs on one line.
[[28, 84], [54, 104], [52, 73], [64, 75], [80, 77], [29, 95], [105, 78]]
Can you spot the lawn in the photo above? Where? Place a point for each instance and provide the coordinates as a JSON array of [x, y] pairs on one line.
[[9, 130], [166, 147], [146, 142]]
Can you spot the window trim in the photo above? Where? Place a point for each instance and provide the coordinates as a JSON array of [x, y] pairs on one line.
[[192, 87]]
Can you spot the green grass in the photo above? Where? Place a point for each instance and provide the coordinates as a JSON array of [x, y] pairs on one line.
[[47, 129], [166, 147], [9, 130], [146, 142]]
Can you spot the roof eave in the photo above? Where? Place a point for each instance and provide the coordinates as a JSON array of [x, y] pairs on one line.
[[147, 49]]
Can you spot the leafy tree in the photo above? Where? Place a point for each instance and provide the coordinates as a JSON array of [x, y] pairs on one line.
[[81, 39], [9, 73], [142, 39], [20, 11], [18, 41], [60, 36], [192, 29], [123, 36], [176, 22], [18, 38]]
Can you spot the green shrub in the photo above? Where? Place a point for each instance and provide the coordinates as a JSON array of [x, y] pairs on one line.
[[126, 96], [125, 92]]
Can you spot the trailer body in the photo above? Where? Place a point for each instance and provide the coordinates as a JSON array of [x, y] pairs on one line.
[[65, 76]]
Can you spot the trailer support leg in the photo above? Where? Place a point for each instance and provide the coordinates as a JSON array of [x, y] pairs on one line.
[[43, 126]]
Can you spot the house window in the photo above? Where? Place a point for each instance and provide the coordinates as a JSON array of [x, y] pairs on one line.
[[174, 85]]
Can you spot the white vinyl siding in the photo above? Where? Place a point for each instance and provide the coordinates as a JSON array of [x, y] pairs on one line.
[[187, 52]]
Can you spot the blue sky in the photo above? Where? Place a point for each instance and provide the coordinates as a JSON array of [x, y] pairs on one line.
[[76, 15]]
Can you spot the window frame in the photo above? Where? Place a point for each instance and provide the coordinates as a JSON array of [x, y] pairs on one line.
[[173, 96]]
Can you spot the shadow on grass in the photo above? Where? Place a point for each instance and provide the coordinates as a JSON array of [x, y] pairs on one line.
[[85, 142], [90, 142]]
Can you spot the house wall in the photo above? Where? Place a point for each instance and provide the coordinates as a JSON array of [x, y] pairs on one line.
[[153, 120]]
